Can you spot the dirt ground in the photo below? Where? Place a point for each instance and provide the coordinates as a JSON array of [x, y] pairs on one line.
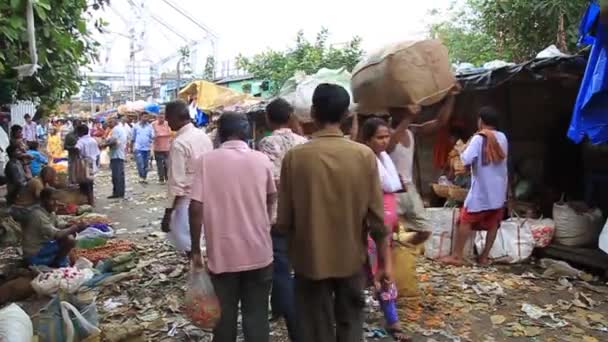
[[455, 304]]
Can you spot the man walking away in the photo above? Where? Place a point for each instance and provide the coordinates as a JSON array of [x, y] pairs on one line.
[[279, 114], [118, 144], [234, 194], [143, 137], [329, 199], [29, 129], [89, 152], [483, 209], [188, 145], [162, 143]]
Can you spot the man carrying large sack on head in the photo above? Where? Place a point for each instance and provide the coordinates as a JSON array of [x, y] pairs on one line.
[[401, 149]]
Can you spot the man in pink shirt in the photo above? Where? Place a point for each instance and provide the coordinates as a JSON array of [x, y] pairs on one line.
[[162, 144], [234, 196]]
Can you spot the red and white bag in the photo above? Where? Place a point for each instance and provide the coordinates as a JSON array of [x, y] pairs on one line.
[[543, 231]]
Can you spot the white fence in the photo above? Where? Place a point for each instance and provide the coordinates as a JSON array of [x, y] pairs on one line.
[[18, 111]]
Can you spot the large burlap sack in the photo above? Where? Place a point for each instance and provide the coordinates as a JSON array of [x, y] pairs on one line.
[[406, 73]]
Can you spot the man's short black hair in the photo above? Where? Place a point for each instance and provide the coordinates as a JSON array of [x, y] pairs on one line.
[[82, 130], [47, 194], [178, 109], [16, 128], [233, 125], [27, 116], [279, 111], [489, 116], [33, 145], [330, 103]]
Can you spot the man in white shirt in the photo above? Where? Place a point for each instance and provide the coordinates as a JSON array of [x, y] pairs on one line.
[[483, 210], [402, 150], [88, 151]]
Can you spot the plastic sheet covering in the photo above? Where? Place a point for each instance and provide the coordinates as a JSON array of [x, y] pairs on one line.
[[590, 118], [298, 89], [210, 96]]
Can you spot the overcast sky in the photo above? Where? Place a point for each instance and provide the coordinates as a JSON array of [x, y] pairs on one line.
[[249, 27]]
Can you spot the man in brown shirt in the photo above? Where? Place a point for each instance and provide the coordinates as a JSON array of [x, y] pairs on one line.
[[329, 200]]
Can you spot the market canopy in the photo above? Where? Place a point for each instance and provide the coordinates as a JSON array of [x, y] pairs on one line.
[[210, 96], [536, 69]]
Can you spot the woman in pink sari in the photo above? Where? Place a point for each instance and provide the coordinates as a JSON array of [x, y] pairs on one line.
[[375, 133]]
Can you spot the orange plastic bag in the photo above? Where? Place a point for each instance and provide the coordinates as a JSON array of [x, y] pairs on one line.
[[201, 304]]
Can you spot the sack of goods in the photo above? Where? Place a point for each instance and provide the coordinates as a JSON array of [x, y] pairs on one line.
[[402, 74], [514, 241], [576, 225], [444, 221]]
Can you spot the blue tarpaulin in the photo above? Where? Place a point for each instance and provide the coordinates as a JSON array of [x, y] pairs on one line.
[[590, 116]]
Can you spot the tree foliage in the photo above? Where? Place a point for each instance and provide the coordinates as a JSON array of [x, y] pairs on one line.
[[64, 45], [278, 66], [514, 29], [209, 72]]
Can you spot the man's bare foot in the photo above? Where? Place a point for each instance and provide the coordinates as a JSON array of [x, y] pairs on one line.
[[452, 260], [484, 261]]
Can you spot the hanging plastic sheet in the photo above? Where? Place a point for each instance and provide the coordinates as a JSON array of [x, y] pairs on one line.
[[590, 118]]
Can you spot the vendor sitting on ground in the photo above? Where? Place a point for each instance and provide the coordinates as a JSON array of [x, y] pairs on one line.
[[29, 195], [47, 244]]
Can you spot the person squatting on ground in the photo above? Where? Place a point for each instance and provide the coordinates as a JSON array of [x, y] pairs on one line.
[[234, 195], [47, 244]]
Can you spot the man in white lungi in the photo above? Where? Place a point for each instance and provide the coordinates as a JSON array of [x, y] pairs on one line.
[[187, 146]]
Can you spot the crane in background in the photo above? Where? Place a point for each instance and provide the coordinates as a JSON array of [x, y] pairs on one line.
[[136, 26]]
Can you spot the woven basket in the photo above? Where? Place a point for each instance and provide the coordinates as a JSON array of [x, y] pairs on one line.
[[457, 193], [458, 166], [441, 190]]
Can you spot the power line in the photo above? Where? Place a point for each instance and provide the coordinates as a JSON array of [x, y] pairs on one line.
[[189, 17]]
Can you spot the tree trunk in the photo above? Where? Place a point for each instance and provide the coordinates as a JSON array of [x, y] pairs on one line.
[[562, 44]]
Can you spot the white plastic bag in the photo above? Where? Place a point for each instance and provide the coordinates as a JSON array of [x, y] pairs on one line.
[[179, 236], [83, 324], [201, 304], [104, 158], [15, 325], [576, 229], [92, 232], [604, 238], [69, 279], [443, 222], [514, 242]]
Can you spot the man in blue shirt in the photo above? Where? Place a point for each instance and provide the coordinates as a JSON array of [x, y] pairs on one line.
[[143, 137]]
